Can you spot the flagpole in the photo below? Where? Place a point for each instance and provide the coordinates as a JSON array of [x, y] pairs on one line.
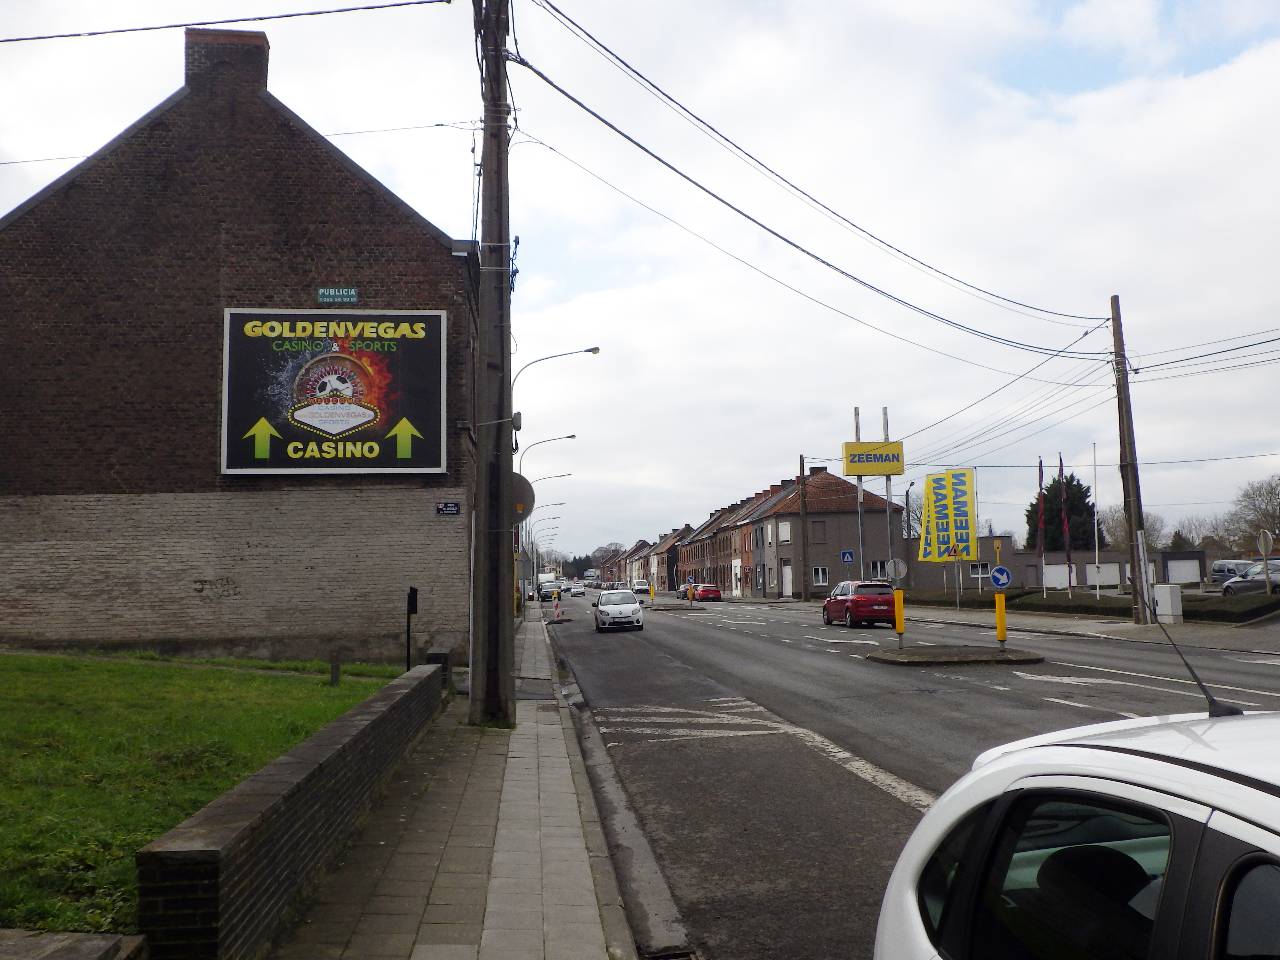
[[1066, 525], [1044, 587], [1097, 565]]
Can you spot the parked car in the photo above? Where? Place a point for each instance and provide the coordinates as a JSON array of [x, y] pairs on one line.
[[1223, 570], [1156, 837], [547, 591], [579, 589], [1253, 580], [859, 602], [617, 610], [706, 591]]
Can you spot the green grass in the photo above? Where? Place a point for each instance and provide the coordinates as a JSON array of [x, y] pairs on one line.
[[386, 671], [99, 757]]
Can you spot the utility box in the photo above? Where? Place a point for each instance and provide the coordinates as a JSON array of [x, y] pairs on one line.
[[1168, 597]]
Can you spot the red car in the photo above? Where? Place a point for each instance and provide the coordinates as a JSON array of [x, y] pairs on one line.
[[855, 602], [706, 591]]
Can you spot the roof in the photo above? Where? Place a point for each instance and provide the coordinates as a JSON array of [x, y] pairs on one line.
[[666, 543], [1241, 747], [826, 493]]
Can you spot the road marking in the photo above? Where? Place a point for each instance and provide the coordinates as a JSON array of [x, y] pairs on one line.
[[857, 656], [926, 643], [783, 639], [910, 794], [754, 623], [1090, 706], [934, 626], [1096, 681], [1151, 676], [1270, 661]]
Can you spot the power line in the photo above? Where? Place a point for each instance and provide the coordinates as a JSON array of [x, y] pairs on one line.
[[219, 23], [795, 245], [1206, 343], [574, 27], [784, 284], [1211, 353], [1082, 466], [1200, 373]]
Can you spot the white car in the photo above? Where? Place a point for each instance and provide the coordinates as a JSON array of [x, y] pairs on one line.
[[641, 589], [618, 610], [1150, 838], [579, 589]]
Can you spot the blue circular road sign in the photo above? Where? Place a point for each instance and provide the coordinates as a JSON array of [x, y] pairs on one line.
[[1001, 577]]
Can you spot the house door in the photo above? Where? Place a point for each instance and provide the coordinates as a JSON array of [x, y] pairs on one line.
[[737, 578], [786, 578]]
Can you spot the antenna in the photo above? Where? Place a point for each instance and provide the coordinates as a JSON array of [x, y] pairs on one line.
[[1216, 709]]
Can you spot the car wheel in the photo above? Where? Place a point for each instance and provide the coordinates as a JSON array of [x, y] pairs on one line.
[[826, 616], [1228, 591], [640, 627], [599, 629], [848, 618]]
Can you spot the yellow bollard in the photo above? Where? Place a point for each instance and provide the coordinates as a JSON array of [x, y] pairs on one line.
[[899, 615], [1001, 625]]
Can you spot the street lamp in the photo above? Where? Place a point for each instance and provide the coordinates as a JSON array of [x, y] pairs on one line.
[[520, 466], [553, 356], [554, 476]]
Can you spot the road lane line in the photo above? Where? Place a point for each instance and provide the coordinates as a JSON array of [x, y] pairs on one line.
[[1094, 681], [1090, 706], [895, 786], [1150, 676]]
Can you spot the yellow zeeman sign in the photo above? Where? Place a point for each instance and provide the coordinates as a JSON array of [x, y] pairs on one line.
[[880, 458], [948, 529]]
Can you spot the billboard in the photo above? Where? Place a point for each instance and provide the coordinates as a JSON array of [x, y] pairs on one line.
[[949, 526], [333, 391], [879, 458]]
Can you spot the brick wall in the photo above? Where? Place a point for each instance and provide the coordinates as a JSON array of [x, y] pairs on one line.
[[225, 882], [277, 573], [114, 284]]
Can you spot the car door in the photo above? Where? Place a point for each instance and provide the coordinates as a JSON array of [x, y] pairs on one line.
[[1235, 891], [1068, 868], [841, 600]]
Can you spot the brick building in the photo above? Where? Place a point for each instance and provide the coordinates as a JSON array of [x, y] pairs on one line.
[[118, 522]]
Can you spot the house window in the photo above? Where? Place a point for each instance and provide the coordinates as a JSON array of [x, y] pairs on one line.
[[768, 532], [880, 569], [980, 570], [819, 576], [784, 531], [772, 579], [818, 531]]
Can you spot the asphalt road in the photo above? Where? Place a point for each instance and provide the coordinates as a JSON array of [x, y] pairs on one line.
[[777, 772]]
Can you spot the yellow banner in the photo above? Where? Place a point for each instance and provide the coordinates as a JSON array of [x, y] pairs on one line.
[[879, 458], [949, 527]]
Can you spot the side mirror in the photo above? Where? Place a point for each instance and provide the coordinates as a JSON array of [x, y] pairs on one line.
[[594, 604]]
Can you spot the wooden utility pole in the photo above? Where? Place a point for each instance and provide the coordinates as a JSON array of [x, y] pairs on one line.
[[1129, 475], [804, 537], [493, 639]]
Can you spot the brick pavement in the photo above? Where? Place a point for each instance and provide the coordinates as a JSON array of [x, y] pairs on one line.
[[486, 846]]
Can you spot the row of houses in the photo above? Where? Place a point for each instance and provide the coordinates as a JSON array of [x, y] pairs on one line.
[[794, 538]]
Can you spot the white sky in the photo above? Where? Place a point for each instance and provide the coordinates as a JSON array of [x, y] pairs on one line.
[[1055, 153]]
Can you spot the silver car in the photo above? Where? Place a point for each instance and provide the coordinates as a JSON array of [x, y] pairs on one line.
[[1253, 580]]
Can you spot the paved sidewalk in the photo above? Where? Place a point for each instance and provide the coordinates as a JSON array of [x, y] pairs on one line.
[[487, 846]]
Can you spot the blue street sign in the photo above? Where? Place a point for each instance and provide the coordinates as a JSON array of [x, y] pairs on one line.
[[846, 556], [689, 579], [1001, 577]]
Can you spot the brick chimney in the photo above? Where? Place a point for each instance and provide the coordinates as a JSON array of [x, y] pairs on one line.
[[816, 470], [227, 57]]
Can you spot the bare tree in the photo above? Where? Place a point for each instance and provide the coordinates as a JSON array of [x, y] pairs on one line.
[[1257, 508], [1117, 531]]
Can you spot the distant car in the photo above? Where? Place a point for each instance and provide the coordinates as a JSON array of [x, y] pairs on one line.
[[1253, 580], [1156, 837], [706, 591], [855, 602], [640, 588], [1223, 570], [578, 590], [548, 590], [682, 591], [618, 610]]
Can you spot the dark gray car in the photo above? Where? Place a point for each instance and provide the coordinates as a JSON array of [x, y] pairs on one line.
[[1253, 580], [1224, 570]]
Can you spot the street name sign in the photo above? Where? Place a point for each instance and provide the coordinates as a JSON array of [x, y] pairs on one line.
[[1001, 577], [449, 508], [333, 391]]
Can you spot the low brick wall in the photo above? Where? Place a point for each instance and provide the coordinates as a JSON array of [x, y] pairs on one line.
[[223, 883]]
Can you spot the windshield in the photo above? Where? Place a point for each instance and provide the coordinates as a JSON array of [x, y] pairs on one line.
[[617, 598], [873, 590]]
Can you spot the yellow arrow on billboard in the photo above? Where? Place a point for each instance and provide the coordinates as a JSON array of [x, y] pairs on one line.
[[262, 432], [404, 432]]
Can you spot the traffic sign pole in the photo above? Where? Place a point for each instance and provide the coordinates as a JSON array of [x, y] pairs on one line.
[[1265, 543]]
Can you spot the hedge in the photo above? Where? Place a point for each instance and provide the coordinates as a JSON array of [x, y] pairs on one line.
[[1196, 608]]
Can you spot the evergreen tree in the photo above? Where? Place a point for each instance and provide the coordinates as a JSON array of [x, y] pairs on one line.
[[1180, 542], [1079, 516]]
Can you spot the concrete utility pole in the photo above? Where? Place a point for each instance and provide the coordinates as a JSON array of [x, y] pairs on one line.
[[857, 436], [1129, 475], [804, 537], [493, 646]]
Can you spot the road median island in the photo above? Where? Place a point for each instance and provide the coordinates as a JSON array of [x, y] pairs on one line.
[[934, 656]]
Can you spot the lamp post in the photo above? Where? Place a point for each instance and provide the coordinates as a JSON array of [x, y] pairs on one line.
[[567, 353], [567, 436]]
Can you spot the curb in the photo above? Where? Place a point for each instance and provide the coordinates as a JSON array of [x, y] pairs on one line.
[[952, 656], [619, 940]]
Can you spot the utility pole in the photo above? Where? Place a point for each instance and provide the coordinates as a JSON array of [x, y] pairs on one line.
[[888, 494], [862, 560], [493, 652], [1129, 475], [804, 537]]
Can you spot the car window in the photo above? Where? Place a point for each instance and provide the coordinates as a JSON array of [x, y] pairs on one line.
[[937, 879], [875, 590], [615, 598], [1072, 879], [1252, 928]]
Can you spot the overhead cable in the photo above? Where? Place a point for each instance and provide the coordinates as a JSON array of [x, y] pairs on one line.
[[219, 23], [795, 245], [569, 23]]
